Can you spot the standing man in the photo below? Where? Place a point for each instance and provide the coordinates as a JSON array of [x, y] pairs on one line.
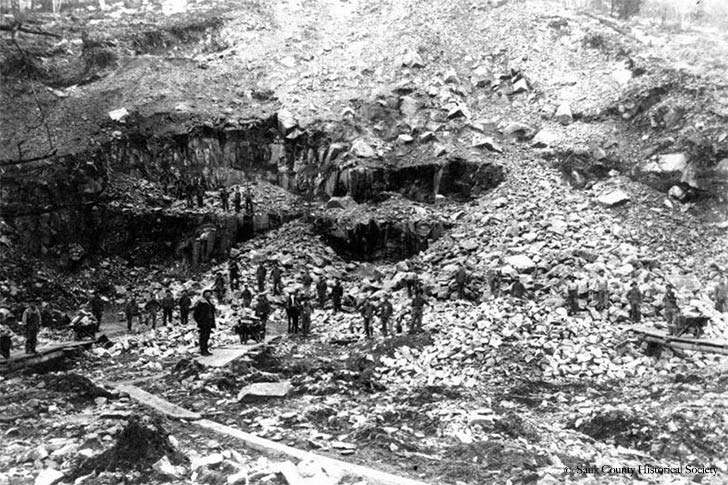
[[720, 296], [518, 291], [220, 288], [190, 194], [307, 281], [337, 293], [461, 278], [167, 305], [234, 274], [321, 288], [634, 296], [260, 275], [411, 281], [97, 308], [292, 308], [224, 198], [152, 307], [237, 200], [418, 304], [572, 296], [306, 311], [275, 275], [262, 309], [602, 291], [247, 296], [131, 310], [248, 201], [185, 302], [367, 313], [385, 313], [669, 303], [204, 315], [200, 193], [31, 322]]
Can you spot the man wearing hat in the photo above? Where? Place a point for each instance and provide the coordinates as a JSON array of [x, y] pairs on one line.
[[204, 315], [634, 296], [31, 322]]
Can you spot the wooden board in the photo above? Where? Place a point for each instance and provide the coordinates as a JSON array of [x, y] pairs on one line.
[[685, 343], [47, 353], [372, 476], [158, 404], [222, 356]]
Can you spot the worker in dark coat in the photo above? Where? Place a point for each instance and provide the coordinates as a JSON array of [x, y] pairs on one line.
[[248, 201], [321, 288], [293, 311], [418, 304], [720, 296], [634, 296], [307, 280], [493, 276], [385, 313], [97, 308], [200, 193], [669, 302], [185, 303], [31, 323], [275, 276], [260, 275], [220, 287], [234, 274], [367, 313], [247, 296], [237, 200], [306, 311], [131, 310], [461, 278], [224, 199], [167, 305], [204, 315], [572, 296], [190, 192], [262, 308], [337, 293], [152, 308]]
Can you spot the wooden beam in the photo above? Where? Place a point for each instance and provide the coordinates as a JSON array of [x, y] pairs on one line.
[[158, 404], [372, 476]]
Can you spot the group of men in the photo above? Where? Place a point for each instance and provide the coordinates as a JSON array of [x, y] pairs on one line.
[[237, 197]]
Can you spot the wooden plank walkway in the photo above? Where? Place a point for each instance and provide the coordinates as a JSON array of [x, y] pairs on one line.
[[685, 343], [222, 356], [157, 403], [45, 353]]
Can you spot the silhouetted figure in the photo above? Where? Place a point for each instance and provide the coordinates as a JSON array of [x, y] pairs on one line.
[[204, 315]]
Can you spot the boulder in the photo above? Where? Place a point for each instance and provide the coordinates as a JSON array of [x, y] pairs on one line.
[[677, 193], [545, 138], [404, 139], [671, 162], [49, 476], [286, 121], [520, 86], [265, 390], [613, 198], [362, 149], [520, 262], [451, 77], [518, 128], [563, 114], [408, 106], [341, 203], [487, 142], [412, 59]]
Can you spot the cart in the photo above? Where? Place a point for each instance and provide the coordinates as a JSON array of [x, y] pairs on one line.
[[250, 327]]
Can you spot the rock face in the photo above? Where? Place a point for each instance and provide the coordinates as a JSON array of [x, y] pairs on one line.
[[613, 198], [379, 239], [664, 171]]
